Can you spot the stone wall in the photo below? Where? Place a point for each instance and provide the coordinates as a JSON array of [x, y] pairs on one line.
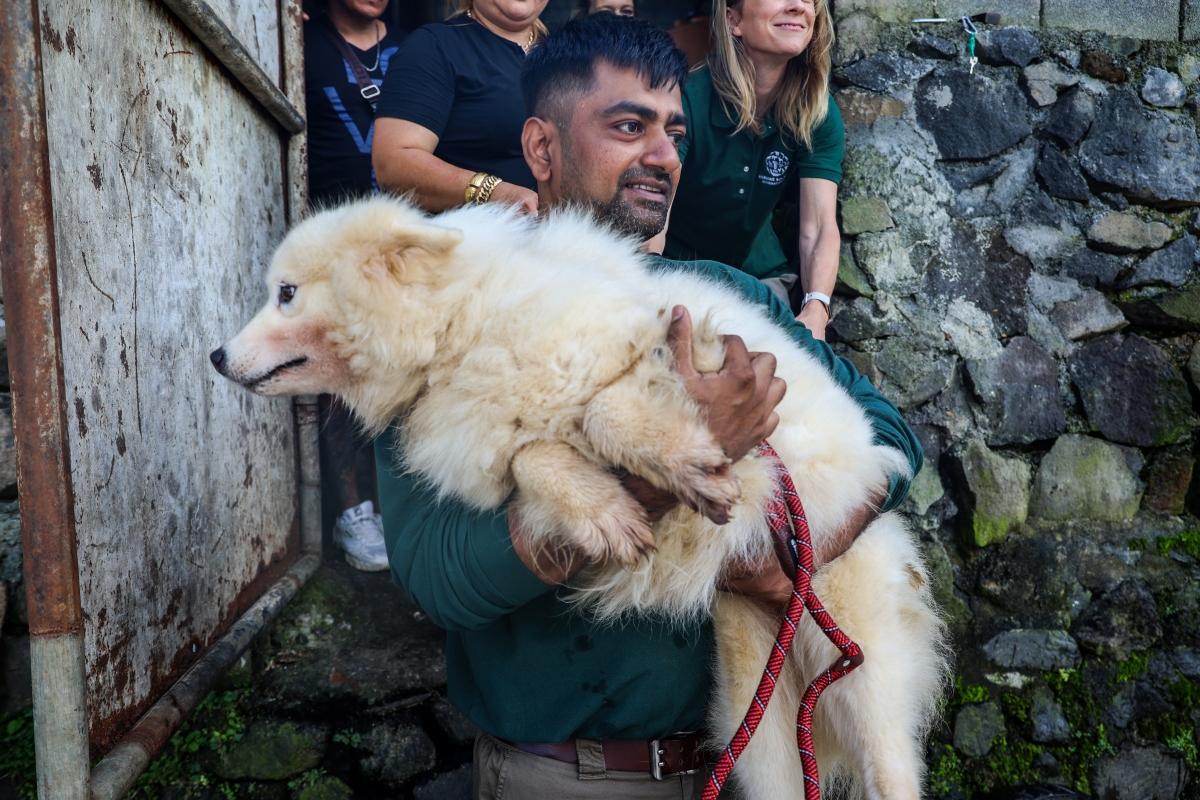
[[14, 641], [1019, 274], [1160, 20]]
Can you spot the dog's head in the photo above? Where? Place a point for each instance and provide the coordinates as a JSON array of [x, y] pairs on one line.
[[346, 294]]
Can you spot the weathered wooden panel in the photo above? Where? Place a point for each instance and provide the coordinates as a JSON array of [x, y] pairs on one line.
[[256, 25], [169, 195]]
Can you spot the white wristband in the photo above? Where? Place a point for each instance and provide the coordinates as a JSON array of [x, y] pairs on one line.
[[820, 297]]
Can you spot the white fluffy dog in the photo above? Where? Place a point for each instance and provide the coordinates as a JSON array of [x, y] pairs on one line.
[[531, 356]]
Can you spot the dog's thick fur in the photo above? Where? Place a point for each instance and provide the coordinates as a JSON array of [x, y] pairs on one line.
[[531, 356]]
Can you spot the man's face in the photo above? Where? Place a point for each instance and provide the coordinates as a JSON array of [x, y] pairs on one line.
[[620, 152]]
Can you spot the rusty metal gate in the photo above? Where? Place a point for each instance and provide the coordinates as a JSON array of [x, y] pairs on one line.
[[151, 155]]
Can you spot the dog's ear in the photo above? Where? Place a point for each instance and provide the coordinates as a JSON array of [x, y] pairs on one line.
[[414, 248]]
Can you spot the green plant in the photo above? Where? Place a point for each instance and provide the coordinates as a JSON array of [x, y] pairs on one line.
[[1011, 763], [1186, 542], [947, 775], [1016, 706], [1182, 738], [16, 752], [1185, 693], [1133, 667], [348, 738], [965, 694], [306, 780], [216, 724]]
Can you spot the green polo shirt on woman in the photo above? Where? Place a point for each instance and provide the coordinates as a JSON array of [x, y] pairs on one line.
[[731, 182], [521, 662]]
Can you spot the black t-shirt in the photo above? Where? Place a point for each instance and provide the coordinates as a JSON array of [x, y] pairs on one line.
[[463, 82], [340, 123]]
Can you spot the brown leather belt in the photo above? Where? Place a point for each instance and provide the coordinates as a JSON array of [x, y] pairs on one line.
[[662, 758]]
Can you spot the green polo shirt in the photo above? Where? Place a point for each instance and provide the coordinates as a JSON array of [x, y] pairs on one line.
[[731, 182], [520, 662]]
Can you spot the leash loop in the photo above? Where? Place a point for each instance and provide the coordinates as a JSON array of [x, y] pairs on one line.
[[785, 514]]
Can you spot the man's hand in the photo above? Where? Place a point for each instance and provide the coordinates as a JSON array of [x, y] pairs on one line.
[[770, 585], [767, 583], [833, 546], [739, 400], [815, 317]]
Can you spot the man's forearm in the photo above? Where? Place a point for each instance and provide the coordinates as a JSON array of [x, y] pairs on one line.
[[830, 547]]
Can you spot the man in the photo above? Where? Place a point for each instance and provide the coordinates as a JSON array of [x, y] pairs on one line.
[[346, 49], [571, 709]]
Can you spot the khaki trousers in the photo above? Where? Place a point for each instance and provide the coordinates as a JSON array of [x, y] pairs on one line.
[[502, 772], [781, 285]]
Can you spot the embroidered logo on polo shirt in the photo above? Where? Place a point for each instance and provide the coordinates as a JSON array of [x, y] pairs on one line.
[[775, 166]]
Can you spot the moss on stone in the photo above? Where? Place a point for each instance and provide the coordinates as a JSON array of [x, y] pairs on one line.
[[1133, 667], [1186, 542], [1011, 763], [1016, 706], [1000, 492], [968, 694], [1083, 477], [316, 785], [1183, 305], [947, 775], [865, 215], [1185, 693], [216, 725], [272, 750], [987, 530]]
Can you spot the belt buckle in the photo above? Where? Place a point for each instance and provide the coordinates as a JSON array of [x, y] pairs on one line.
[[370, 92], [656, 763]]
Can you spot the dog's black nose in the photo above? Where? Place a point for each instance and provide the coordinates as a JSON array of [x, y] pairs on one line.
[[217, 357]]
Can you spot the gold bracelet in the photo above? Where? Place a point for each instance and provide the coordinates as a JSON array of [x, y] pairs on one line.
[[473, 185], [486, 188]]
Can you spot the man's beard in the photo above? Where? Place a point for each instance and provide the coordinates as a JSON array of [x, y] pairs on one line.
[[638, 220]]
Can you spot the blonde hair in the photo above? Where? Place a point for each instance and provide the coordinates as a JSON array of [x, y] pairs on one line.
[[802, 100], [456, 7]]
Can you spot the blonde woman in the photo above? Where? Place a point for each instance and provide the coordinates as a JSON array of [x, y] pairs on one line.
[[761, 126], [622, 8], [449, 121]]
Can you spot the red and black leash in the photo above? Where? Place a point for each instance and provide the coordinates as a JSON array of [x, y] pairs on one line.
[[785, 514]]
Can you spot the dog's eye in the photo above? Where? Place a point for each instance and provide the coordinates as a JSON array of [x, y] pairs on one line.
[[286, 293]]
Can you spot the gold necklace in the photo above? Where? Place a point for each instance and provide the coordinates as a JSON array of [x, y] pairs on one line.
[[526, 46]]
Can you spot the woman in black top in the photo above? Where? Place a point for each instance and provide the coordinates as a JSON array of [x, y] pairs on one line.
[[450, 117], [339, 118]]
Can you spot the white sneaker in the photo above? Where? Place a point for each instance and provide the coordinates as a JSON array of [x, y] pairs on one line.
[[359, 532]]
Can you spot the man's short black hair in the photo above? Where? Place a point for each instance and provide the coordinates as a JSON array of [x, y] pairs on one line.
[[564, 64]]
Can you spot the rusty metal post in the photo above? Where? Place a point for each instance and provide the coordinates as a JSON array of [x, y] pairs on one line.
[[29, 273], [291, 28], [307, 424]]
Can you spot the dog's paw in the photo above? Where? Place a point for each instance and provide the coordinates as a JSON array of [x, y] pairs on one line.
[[618, 532], [706, 483], [715, 495]]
